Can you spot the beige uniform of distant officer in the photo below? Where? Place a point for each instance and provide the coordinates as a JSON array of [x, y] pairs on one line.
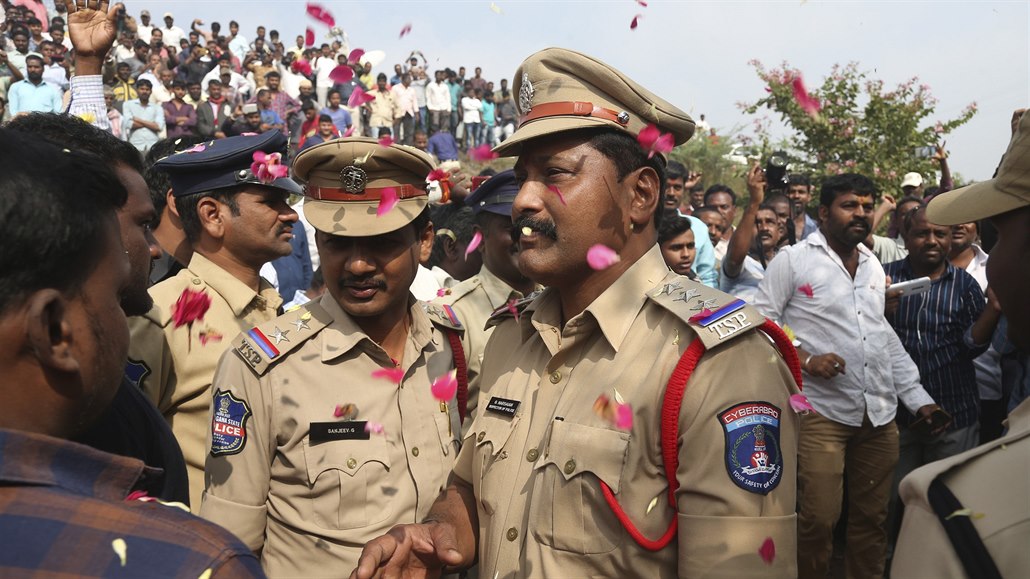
[[178, 363], [296, 478]]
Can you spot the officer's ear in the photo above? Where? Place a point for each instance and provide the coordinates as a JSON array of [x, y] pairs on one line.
[[212, 217], [426, 237], [647, 195]]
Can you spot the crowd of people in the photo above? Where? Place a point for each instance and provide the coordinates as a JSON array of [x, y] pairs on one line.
[[225, 290]]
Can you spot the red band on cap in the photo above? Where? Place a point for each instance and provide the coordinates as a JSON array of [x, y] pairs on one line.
[[369, 194], [574, 108]]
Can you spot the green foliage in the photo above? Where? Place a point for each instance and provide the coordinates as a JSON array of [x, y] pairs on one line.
[[707, 155], [860, 127]]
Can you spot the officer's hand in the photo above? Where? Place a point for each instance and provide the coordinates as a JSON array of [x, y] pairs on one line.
[[825, 365], [413, 551]]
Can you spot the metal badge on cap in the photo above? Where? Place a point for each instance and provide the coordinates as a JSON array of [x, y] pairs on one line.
[[526, 94], [353, 179]]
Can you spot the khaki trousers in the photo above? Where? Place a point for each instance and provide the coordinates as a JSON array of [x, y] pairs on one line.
[[869, 454]]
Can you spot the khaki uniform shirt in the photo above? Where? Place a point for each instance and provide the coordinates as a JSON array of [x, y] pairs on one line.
[[308, 489], [473, 301], [174, 366], [537, 471], [989, 480]]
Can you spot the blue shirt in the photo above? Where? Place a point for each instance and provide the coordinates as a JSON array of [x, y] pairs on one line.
[[341, 119], [455, 88], [489, 114], [270, 117], [442, 145], [142, 138], [704, 259], [935, 328], [294, 270], [25, 97]]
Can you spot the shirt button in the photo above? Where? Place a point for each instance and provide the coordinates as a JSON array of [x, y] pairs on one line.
[[414, 451], [555, 377], [351, 463], [481, 436], [513, 534], [570, 466], [532, 455]]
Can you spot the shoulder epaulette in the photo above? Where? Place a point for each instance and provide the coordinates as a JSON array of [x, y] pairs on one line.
[[510, 310], [442, 315], [267, 343], [451, 295], [715, 317]]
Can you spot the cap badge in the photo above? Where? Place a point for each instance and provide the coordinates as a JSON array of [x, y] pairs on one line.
[[353, 179], [525, 94], [623, 118]]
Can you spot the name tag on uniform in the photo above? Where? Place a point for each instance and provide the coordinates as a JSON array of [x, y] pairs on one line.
[[502, 406], [347, 430]]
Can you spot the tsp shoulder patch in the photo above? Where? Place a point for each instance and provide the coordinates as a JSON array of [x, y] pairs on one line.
[[229, 424], [754, 458]]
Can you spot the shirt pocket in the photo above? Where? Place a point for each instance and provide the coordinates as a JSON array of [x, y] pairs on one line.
[[348, 484], [492, 437], [572, 514], [447, 426]]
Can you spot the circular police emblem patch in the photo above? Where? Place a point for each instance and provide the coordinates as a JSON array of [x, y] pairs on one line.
[[525, 95], [754, 459], [353, 179]]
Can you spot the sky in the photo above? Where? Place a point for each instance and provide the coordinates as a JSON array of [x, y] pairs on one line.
[[695, 54]]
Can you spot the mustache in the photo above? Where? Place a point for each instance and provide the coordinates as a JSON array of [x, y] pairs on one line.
[[545, 228], [860, 222], [362, 282]]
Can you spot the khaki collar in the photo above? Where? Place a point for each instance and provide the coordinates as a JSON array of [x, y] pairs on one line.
[[497, 290], [344, 334], [233, 291], [613, 311]]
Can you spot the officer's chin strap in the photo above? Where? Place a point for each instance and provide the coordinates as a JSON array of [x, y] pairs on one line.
[[670, 428]]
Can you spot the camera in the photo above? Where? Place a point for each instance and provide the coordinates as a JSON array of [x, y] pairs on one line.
[[776, 172]]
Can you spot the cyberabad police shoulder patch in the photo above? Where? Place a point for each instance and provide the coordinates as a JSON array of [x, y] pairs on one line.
[[229, 424], [754, 458]]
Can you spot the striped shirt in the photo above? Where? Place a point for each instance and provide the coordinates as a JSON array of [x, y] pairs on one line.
[[63, 513], [936, 329]]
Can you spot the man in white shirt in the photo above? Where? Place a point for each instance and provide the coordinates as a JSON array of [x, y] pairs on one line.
[[322, 66], [238, 44], [405, 111], [438, 101], [144, 28], [830, 290], [172, 34]]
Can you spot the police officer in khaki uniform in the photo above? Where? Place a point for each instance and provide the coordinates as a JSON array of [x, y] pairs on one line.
[[314, 449], [499, 283], [968, 515], [236, 222], [562, 473]]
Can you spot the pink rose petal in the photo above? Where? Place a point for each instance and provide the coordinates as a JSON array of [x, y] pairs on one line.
[[137, 496], [442, 292], [385, 141], [477, 238], [513, 308], [633, 23], [359, 97], [601, 256], [394, 375], [482, 153], [557, 192], [342, 74], [373, 427], [348, 132], [437, 175], [309, 36], [642, 3], [654, 141], [808, 103], [320, 14], [807, 290], [387, 200], [623, 416], [198, 148], [800, 404], [767, 551], [445, 386], [405, 30], [301, 67], [355, 56]]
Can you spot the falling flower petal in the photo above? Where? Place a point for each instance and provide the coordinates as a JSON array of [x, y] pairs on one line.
[[601, 257], [209, 336], [348, 132], [654, 141], [198, 148], [394, 375], [373, 427], [445, 386], [137, 496], [387, 200], [355, 56], [405, 30], [613, 411], [624, 417], [301, 67], [807, 290], [437, 175], [120, 549], [557, 192], [768, 550], [513, 307], [309, 36], [321, 14], [634, 22], [496, 9], [342, 74], [385, 140], [190, 307], [700, 316], [359, 97], [808, 103], [268, 167], [642, 3], [482, 153], [346, 411], [443, 292], [800, 404], [477, 238]]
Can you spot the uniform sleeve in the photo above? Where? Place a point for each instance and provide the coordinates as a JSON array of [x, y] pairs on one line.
[[237, 470], [738, 464], [776, 288], [148, 348]]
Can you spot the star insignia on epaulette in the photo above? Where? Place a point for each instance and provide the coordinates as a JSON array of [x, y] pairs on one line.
[[301, 324], [668, 289], [279, 336], [702, 305], [687, 295]]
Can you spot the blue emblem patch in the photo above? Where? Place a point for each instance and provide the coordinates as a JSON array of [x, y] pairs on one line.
[[754, 459], [136, 372], [229, 424]]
